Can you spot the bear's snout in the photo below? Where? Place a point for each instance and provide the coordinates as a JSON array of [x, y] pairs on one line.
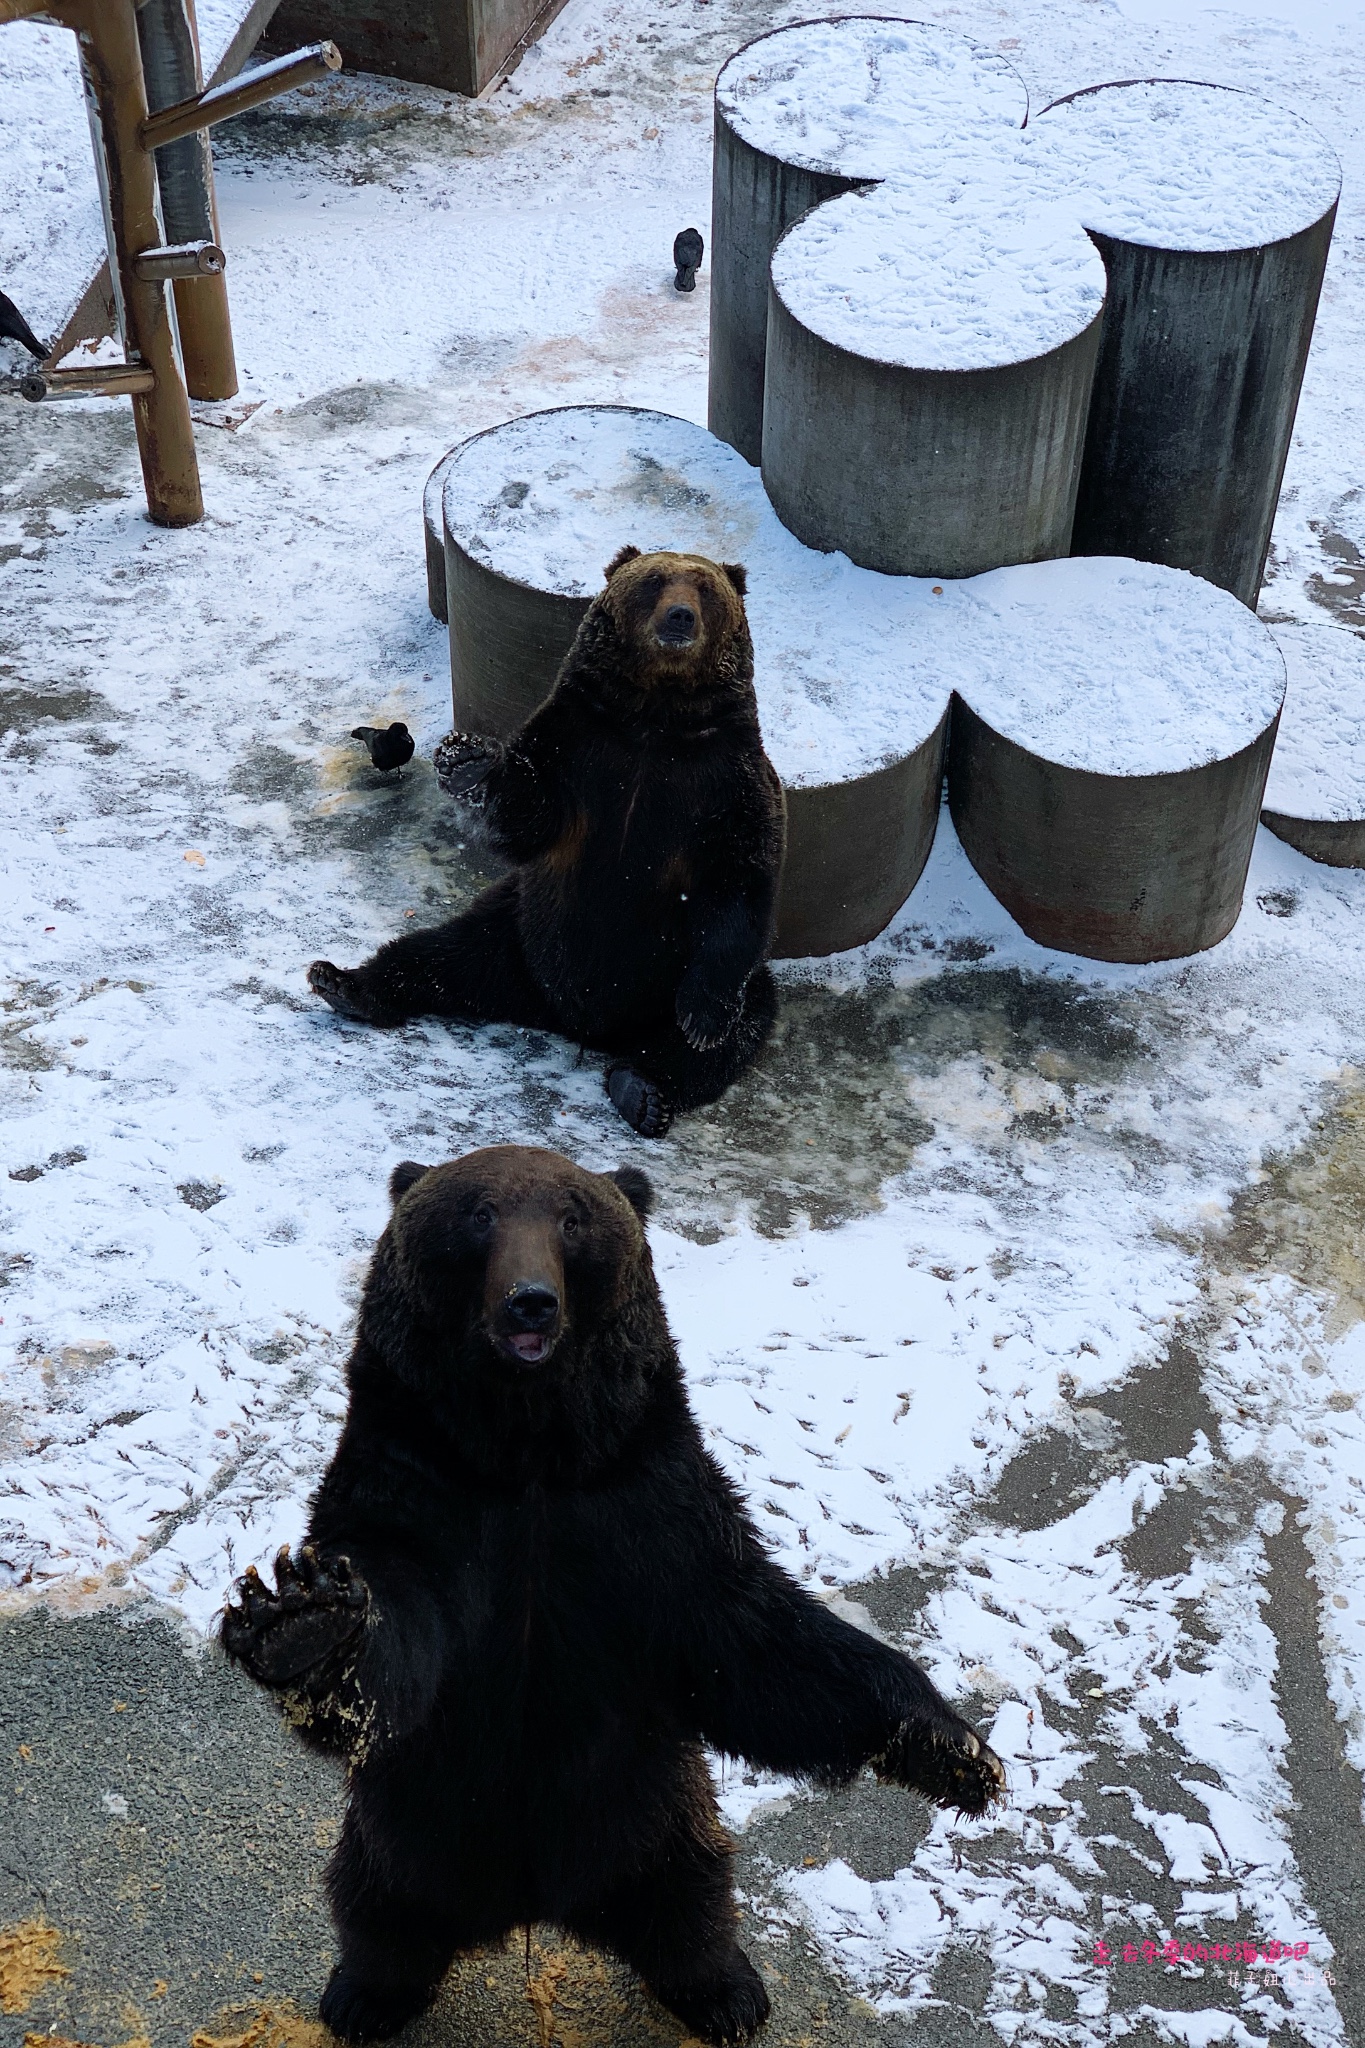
[[532, 1310], [678, 625], [524, 1286]]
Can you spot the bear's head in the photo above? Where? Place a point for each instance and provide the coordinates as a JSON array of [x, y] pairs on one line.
[[677, 616], [515, 1291]]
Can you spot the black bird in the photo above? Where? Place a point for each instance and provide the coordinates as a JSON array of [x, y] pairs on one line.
[[388, 749], [14, 327], [688, 250]]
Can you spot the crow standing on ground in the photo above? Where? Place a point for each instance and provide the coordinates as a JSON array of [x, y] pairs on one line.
[[14, 327], [688, 249], [389, 748]]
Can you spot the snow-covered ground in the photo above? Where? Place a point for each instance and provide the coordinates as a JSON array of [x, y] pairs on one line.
[[973, 1189]]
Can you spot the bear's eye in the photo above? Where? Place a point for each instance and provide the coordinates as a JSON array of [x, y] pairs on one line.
[[485, 1216], [569, 1226]]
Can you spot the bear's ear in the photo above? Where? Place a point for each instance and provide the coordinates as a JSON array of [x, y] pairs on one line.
[[738, 575], [635, 1186], [404, 1176], [620, 558]]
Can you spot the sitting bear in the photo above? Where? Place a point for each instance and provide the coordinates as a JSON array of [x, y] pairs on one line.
[[527, 1598], [647, 825]]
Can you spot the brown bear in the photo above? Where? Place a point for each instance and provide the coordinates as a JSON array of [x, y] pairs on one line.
[[528, 1598], [646, 825]]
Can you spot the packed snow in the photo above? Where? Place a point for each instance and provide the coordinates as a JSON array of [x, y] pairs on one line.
[[1175, 164], [941, 275], [978, 1197], [864, 97]]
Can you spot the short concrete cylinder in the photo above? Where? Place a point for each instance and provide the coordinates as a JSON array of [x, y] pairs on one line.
[[1107, 761], [855, 850], [543, 497], [1113, 867], [1315, 797], [909, 467], [901, 80], [1204, 343]]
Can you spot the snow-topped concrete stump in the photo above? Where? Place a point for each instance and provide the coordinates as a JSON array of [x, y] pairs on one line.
[[809, 112], [530, 513], [1315, 797], [930, 353], [1109, 752], [1213, 211]]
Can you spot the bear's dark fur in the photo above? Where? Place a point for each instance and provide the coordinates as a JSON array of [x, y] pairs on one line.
[[528, 1597], [646, 824]]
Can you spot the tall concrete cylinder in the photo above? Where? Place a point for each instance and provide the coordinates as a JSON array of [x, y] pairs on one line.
[[1106, 764], [1213, 211], [928, 379], [804, 114]]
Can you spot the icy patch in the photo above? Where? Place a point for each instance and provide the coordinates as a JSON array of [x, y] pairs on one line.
[[1171, 164], [1119, 667], [863, 97], [962, 277], [1318, 768]]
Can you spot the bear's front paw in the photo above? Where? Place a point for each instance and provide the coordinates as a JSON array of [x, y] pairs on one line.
[[464, 761], [705, 1019], [952, 1766], [315, 1610]]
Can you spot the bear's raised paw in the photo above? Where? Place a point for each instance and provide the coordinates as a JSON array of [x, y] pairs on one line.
[[464, 761], [315, 1610]]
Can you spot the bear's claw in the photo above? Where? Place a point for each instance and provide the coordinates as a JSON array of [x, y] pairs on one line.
[[316, 1608], [725, 2010], [642, 1103]]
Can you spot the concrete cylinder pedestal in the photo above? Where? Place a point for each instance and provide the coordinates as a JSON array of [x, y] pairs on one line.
[[1107, 760], [1315, 797], [804, 114], [852, 706], [1213, 211], [929, 364]]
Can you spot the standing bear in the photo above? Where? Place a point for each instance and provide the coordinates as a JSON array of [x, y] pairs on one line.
[[647, 824], [527, 1598]]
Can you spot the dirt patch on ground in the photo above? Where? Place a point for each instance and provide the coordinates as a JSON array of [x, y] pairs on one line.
[[28, 1963]]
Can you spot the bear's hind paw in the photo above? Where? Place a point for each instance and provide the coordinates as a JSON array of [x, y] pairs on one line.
[[642, 1103], [370, 2012], [725, 2010], [343, 989]]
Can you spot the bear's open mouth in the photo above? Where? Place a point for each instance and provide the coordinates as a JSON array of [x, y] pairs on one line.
[[530, 1346]]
